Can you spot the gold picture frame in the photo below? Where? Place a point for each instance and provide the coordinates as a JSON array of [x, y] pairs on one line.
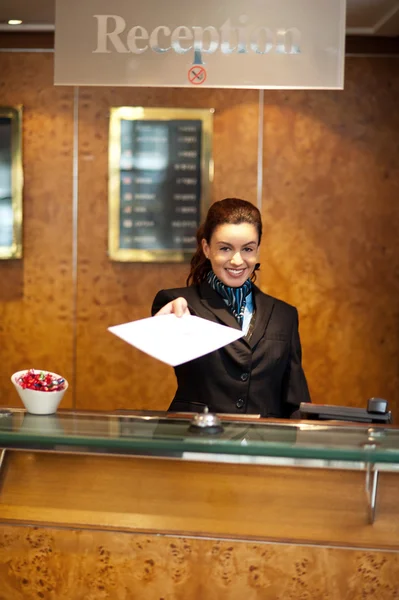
[[160, 176], [11, 182]]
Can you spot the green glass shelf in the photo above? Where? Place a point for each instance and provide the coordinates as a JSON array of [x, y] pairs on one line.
[[161, 434]]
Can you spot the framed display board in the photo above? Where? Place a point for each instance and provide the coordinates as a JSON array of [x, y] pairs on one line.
[[11, 182], [160, 174]]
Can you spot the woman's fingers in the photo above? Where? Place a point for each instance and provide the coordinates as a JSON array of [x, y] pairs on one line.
[[178, 307]]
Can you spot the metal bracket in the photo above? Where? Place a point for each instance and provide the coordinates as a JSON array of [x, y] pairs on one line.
[[2, 457], [371, 490]]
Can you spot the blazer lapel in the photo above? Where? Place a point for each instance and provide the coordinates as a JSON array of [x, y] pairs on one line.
[[264, 307], [212, 301]]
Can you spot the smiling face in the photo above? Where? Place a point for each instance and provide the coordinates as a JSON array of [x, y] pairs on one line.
[[233, 251]]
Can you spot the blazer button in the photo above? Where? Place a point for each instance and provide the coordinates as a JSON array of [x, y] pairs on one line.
[[240, 403], [244, 376]]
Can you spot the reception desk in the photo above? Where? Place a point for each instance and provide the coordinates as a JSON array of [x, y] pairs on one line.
[[126, 506]]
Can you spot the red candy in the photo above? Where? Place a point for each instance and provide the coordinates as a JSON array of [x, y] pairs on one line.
[[42, 381]]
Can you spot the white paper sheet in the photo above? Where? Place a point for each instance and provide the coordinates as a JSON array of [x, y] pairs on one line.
[[176, 340]]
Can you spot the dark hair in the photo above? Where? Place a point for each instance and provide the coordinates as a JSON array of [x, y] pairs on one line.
[[230, 211]]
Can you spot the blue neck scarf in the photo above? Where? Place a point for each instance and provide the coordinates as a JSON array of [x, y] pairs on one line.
[[235, 297]]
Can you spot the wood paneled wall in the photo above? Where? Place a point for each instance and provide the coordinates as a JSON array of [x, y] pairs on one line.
[[36, 309], [331, 213], [110, 293]]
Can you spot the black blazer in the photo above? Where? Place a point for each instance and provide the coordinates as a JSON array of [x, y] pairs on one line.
[[259, 374]]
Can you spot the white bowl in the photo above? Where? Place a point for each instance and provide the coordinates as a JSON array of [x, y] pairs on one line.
[[37, 402]]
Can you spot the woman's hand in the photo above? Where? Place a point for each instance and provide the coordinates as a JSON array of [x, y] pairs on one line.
[[177, 307]]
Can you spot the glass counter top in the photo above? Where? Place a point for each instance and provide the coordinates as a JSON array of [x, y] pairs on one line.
[[165, 434]]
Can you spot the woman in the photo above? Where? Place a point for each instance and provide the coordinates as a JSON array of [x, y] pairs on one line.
[[260, 373]]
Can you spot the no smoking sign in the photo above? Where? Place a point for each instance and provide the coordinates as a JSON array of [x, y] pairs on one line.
[[197, 75]]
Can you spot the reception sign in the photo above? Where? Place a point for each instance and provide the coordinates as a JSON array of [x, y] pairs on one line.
[[271, 44]]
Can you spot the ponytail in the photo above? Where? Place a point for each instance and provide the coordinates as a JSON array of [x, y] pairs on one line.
[[200, 265]]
